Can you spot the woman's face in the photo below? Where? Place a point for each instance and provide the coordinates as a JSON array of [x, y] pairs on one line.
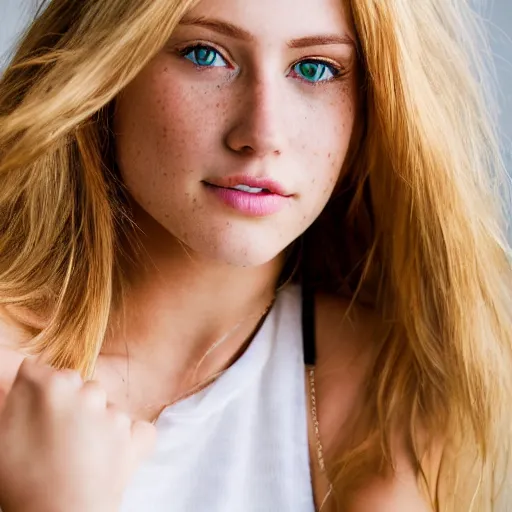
[[232, 138]]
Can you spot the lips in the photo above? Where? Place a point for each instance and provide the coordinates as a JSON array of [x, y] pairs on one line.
[[250, 184], [249, 196]]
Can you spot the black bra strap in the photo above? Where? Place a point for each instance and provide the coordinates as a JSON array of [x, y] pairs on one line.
[[308, 326]]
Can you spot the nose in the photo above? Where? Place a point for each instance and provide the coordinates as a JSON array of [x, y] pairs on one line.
[[258, 128]]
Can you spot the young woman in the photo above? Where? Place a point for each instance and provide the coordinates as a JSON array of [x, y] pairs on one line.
[[267, 235]]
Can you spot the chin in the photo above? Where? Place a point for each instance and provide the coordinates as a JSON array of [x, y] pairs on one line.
[[240, 255], [240, 248]]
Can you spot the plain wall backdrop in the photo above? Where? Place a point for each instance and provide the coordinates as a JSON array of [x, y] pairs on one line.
[[15, 14]]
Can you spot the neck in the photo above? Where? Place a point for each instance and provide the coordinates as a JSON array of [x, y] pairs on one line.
[[178, 305]]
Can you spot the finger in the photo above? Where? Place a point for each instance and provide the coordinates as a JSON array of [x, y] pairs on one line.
[[37, 387], [94, 395], [38, 380], [31, 370], [119, 419]]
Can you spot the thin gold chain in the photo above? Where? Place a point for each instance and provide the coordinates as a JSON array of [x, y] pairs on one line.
[[316, 428], [316, 424], [212, 378], [190, 392], [314, 413]]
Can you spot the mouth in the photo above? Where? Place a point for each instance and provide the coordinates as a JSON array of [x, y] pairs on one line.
[[249, 185], [257, 191], [253, 197]]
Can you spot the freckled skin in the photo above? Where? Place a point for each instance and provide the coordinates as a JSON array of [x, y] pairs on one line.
[[177, 125]]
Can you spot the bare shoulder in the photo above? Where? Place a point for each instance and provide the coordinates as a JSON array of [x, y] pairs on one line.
[[348, 338]]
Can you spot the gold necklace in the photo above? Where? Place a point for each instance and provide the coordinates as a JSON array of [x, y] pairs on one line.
[[212, 378]]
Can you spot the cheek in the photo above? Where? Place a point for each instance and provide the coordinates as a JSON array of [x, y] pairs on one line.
[[325, 139], [326, 144], [165, 123]]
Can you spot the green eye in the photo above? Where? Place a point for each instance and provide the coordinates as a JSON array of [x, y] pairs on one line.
[[315, 71], [204, 56]]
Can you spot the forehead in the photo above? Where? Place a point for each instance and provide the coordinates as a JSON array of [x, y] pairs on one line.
[[279, 19]]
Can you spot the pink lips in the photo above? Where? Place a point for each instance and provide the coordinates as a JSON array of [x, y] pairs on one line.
[[260, 204]]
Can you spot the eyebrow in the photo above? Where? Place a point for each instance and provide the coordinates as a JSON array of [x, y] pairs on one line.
[[304, 42], [230, 30]]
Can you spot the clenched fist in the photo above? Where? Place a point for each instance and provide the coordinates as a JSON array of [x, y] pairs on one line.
[[62, 447]]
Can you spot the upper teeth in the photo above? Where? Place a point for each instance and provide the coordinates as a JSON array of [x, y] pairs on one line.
[[251, 190]]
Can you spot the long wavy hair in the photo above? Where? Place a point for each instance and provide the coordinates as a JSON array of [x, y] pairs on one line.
[[416, 227]]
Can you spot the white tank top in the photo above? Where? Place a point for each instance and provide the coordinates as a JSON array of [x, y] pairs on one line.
[[241, 444]]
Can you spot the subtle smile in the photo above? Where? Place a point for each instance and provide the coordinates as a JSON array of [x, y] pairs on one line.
[[249, 200]]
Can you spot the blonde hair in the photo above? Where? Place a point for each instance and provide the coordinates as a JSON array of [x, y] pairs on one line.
[[419, 210]]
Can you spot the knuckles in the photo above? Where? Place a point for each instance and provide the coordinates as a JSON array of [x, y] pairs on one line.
[[66, 390], [119, 419], [62, 382], [44, 381]]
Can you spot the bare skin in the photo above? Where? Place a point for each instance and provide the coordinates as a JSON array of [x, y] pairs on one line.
[[344, 355], [206, 269], [250, 112], [53, 412]]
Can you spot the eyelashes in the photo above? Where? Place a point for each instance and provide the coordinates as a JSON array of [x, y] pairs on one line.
[[203, 56], [316, 71], [313, 71]]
